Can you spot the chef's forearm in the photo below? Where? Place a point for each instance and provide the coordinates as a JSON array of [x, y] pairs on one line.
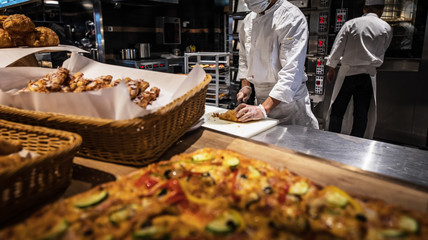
[[270, 103]]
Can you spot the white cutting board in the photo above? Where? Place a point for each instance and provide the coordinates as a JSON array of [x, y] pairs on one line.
[[239, 129]]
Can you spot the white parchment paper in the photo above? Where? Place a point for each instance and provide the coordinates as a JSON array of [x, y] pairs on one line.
[[112, 103], [11, 55]]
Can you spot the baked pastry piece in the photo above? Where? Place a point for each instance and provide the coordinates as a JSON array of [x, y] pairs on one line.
[[218, 194], [146, 98], [2, 18], [5, 39], [18, 26], [18, 23], [42, 37], [63, 81], [230, 115], [9, 146]]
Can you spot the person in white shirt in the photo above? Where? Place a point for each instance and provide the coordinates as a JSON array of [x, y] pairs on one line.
[[360, 47], [273, 43]]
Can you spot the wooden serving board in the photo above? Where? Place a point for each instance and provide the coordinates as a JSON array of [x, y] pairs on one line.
[[321, 171]]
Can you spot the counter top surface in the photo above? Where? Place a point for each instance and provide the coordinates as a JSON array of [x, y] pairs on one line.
[[404, 163], [306, 152]]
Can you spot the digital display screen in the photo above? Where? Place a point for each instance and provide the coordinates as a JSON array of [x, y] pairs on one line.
[[10, 3], [323, 22]]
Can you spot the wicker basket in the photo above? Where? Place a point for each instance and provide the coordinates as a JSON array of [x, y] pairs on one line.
[[137, 141], [39, 177]]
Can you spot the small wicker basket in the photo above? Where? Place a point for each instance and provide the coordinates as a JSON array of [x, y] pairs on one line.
[[38, 178], [137, 141]]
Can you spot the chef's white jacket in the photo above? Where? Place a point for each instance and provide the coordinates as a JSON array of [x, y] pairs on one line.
[[361, 43], [272, 56], [360, 46]]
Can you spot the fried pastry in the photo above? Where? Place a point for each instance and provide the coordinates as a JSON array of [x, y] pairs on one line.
[[133, 87], [146, 98], [228, 116], [42, 37], [97, 84], [216, 194], [63, 81], [57, 78], [5, 39], [40, 86], [18, 23], [2, 18], [19, 30], [8, 146]]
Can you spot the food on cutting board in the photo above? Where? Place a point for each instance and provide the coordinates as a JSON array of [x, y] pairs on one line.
[[9, 146], [63, 81], [18, 30], [218, 194], [229, 115]]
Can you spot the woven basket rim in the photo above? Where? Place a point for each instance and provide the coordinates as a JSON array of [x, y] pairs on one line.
[[104, 121], [74, 141]]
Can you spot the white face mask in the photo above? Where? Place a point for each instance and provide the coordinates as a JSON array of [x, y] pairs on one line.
[[257, 6]]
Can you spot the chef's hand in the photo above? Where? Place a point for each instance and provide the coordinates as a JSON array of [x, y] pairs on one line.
[[331, 74], [244, 94], [247, 112]]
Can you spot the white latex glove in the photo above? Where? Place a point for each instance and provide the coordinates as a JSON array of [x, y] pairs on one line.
[[247, 112], [244, 94]]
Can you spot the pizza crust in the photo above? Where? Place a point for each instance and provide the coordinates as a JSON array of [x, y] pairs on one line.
[[217, 194]]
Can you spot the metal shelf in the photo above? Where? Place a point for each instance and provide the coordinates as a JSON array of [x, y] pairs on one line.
[[218, 89]]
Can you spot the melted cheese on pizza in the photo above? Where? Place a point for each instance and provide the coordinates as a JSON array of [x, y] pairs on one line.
[[217, 194]]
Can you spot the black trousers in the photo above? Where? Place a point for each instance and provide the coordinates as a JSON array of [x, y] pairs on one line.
[[360, 88]]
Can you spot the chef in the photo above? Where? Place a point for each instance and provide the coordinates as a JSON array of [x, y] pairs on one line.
[[360, 48], [273, 42]]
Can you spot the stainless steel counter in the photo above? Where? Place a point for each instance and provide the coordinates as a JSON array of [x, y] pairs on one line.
[[403, 163]]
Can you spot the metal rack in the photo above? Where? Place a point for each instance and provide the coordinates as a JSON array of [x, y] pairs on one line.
[[217, 65]]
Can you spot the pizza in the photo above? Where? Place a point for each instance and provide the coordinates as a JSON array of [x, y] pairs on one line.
[[9, 146], [217, 194]]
